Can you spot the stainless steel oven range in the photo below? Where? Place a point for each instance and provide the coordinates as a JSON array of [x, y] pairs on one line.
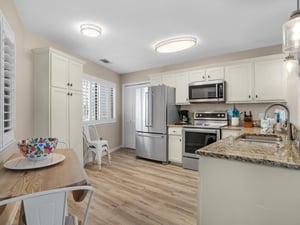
[[205, 130]]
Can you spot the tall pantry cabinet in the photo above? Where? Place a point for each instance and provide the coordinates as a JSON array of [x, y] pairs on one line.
[[58, 97]]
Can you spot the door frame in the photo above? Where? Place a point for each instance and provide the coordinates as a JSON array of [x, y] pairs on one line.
[[137, 84]]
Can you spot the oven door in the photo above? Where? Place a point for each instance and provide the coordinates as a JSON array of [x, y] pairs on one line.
[[196, 138]]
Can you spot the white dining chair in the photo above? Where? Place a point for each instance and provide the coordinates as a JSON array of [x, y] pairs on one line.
[[49, 207], [97, 146]]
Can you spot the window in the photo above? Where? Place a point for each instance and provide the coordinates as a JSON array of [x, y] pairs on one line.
[[7, 84], [98, 100]]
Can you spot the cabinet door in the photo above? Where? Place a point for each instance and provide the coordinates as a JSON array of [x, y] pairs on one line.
[[215, 73], [270, 81], [59, 114], [175, 148], [75, 76], [59, 71], [181, 89], [196, 75], [75, 123], [238, 83]]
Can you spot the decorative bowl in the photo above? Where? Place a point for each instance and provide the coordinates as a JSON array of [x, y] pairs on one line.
[[37, 148]]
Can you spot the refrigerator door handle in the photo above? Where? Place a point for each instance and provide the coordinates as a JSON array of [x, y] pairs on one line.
[[150, 114], [146, 109], [151, 136]]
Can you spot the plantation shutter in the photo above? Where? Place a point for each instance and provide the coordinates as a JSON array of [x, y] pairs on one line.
[[98, 100], [8, 71]]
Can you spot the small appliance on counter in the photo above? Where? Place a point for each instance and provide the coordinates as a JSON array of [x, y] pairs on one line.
[[183, 116]]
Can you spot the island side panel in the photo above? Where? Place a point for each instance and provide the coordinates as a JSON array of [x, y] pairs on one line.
[[234, 193]]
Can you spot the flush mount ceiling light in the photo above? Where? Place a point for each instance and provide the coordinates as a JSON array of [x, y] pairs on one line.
[[291, 32], [90, 30], [290, 63], [175, 44]]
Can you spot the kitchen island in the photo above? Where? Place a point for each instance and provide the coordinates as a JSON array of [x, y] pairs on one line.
[[246, 183]]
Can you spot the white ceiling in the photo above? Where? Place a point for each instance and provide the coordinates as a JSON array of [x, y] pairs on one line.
[[131, 27]]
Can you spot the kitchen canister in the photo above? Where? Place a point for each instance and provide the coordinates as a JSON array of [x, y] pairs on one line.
[[235, 121]]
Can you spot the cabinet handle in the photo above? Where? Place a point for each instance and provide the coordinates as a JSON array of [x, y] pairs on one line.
[[208, 76], [203, 77], [256, 96], [180, 139], [71, 94], [249, 96], [71, 84], [68, 84], [68, 93]]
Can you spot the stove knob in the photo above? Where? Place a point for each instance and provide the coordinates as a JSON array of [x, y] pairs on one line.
[[218, 115]]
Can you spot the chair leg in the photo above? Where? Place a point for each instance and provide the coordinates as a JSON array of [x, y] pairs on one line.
[[99, 159], [108, 154]]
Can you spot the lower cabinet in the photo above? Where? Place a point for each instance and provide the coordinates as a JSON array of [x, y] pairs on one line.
[[175, 144]]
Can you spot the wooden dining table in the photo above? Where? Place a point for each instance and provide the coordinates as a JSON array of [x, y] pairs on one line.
[[67, 173]]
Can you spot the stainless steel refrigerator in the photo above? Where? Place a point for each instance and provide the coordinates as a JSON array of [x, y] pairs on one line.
[[155, 108]]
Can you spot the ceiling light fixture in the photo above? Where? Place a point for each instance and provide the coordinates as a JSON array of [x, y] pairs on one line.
[[291, 32], [175, 44], [90, 30], [290, 63]]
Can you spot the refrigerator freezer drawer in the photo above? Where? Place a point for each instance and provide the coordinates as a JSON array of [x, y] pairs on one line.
[[152, 146]]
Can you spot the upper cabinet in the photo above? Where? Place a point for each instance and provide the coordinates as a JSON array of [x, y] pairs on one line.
[[66, 73], [238, 84], [260, 80], [270, 81], [254, 80], [213, 73]]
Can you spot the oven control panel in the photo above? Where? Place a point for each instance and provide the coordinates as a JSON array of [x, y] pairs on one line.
[[210, 115]]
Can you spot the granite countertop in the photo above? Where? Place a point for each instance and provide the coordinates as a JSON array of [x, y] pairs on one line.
[[270, 154]]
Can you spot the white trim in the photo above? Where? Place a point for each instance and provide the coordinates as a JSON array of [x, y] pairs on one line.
[[123, 101]]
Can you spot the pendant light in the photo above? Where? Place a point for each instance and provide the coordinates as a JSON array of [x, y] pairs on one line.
[[291, 32], [290, 63]]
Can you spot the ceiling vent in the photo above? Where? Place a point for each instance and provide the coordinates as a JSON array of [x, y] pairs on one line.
[[105, 61]]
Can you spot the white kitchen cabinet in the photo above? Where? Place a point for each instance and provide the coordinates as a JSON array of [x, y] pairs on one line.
[[58, 97], [238, 85], [269, 81], [180, 83], [175, 144], [256, 80], [213, 73], [230, 132]]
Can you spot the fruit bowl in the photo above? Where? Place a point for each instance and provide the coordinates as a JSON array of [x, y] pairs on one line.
[[37, 148]]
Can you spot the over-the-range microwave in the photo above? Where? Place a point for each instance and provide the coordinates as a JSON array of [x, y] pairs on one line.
[[207, 91]]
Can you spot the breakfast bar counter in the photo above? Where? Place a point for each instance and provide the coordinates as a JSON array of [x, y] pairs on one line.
[[282, 154], [246, 182]]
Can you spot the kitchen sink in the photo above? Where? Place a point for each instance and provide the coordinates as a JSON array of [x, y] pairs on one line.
[[264, 138]]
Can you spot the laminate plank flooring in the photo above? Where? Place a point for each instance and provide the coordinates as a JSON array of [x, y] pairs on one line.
[[134, 191], [140, 192]]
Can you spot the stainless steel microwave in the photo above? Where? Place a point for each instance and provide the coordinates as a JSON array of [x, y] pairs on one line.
[[207, 91]]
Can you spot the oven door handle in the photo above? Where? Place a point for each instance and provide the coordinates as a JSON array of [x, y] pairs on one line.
[[200, 130]]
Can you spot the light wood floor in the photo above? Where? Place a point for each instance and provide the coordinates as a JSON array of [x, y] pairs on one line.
[[140, 192]]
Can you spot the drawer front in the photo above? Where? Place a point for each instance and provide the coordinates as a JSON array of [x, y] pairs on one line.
[[175, 131]]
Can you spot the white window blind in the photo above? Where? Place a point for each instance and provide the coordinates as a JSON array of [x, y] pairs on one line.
[[7, 81], [98, 100]]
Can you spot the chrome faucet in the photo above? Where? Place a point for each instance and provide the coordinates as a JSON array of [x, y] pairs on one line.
[[288, 130]]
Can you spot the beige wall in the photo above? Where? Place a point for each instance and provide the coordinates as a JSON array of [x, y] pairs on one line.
[[25, 41]]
